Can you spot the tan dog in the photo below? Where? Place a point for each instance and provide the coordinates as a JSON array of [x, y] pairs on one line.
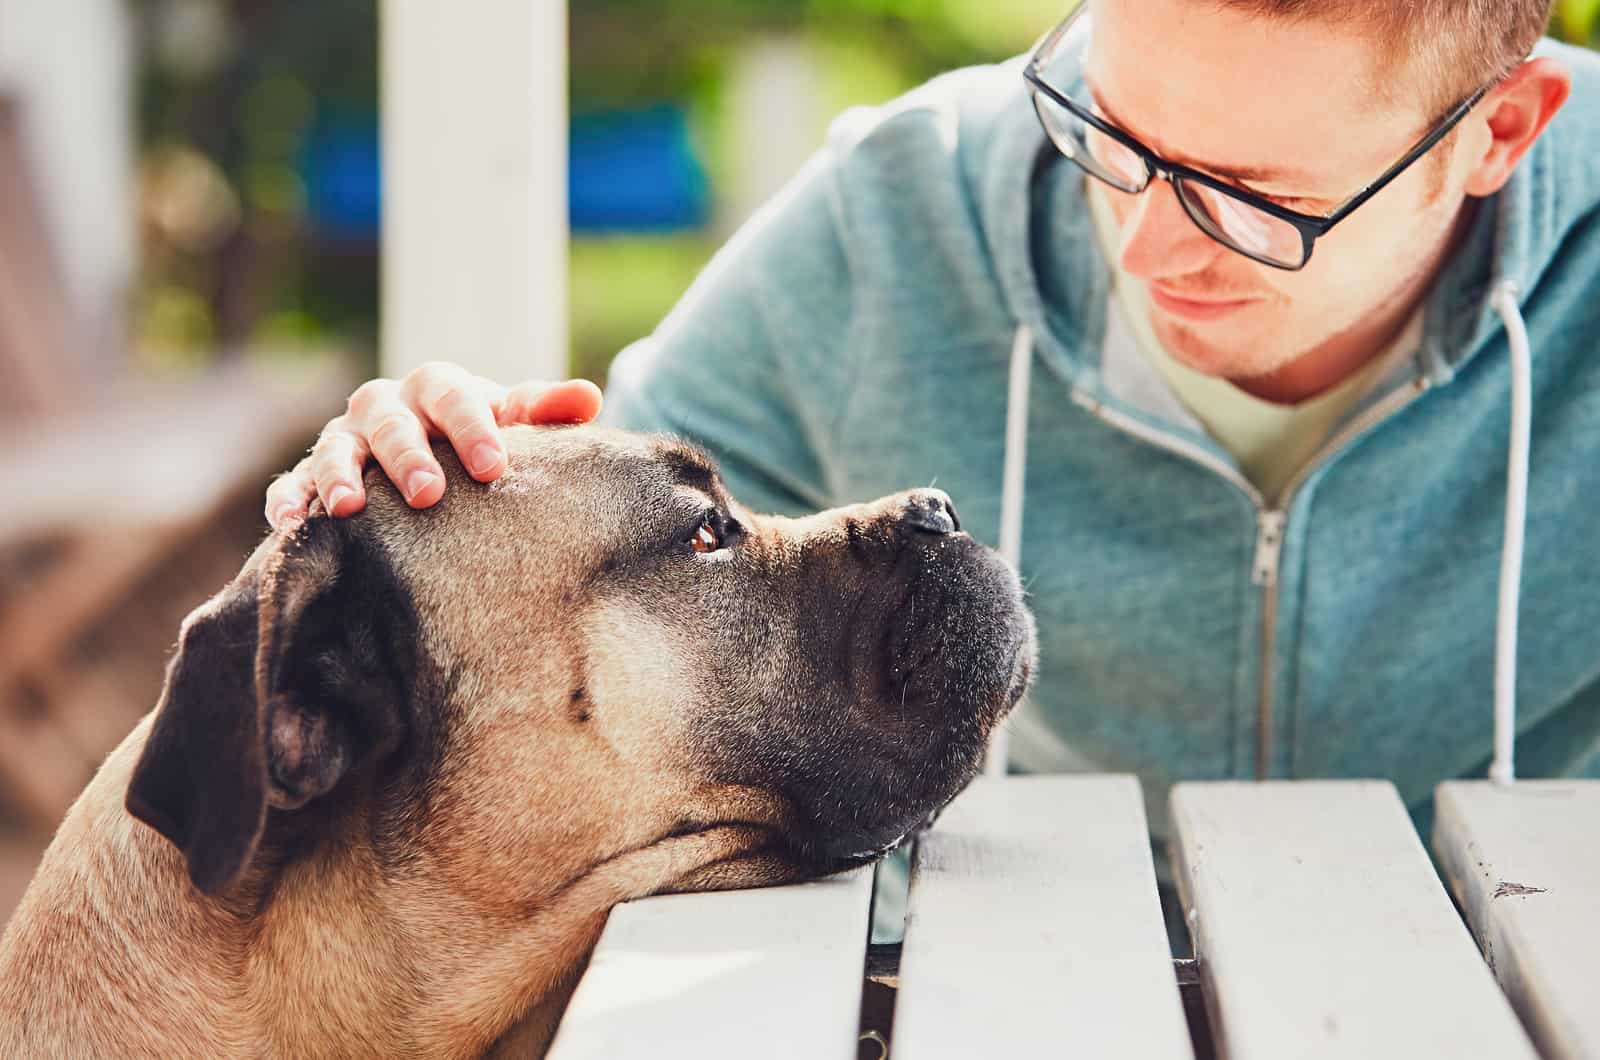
[[405, 763]]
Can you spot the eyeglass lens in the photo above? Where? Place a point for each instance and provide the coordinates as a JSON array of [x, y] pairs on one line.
[[1228, 220]]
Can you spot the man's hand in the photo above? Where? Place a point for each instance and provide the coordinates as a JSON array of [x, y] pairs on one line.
[[394, 419]]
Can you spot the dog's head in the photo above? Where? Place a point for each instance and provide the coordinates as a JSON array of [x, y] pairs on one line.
[[598, 654]]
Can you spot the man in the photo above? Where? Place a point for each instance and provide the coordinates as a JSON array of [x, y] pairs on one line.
[[1267, 423]]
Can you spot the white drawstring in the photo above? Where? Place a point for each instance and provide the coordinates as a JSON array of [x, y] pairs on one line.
[[1011, 489], [1501, 768]]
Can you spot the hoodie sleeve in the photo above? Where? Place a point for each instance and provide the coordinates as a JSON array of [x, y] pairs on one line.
[[751, 363]]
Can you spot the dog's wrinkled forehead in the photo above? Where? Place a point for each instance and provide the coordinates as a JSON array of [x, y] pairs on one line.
[[627, 468], [614, 491], [572, 501]]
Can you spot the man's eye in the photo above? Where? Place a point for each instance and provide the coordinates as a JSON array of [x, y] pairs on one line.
[[707, 538]]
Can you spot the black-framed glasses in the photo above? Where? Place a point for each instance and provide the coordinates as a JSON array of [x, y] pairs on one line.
[[1240, 220]]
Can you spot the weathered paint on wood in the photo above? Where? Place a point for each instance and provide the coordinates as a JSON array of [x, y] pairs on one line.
[[1524, 862], [1322, 930], [1034, 928]]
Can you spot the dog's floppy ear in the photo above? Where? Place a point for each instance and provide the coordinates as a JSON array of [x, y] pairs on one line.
[[283, 684]]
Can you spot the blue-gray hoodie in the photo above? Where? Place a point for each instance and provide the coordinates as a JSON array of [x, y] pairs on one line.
[[855, 337]]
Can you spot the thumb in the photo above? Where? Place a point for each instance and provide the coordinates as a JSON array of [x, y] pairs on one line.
[[537, 402]]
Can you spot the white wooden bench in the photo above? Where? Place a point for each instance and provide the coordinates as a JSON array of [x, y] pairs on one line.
[[1034, 928], [1524, 862]]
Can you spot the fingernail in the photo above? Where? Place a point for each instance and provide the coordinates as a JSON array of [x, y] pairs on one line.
[[416, 482], [337, 494], [484, 457]]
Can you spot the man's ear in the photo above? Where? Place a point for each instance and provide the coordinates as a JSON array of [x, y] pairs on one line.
[[286, 682], [1516, 112]]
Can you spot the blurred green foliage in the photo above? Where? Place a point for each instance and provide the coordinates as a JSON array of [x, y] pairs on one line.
[[622, 286], [1574, 20]]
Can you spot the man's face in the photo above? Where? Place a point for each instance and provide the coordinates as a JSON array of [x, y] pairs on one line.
[[1222, 91]]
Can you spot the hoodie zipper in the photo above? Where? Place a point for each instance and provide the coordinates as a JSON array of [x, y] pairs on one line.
[[1271, 522]]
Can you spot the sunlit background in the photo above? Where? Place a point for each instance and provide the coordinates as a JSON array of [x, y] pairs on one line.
[[258, 134], [191, 205]]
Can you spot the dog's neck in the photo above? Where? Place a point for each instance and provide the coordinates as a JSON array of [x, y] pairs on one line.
[[114, 952]]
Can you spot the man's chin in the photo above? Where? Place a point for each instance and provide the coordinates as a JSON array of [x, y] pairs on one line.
[[1202, 353], [1217, 355]]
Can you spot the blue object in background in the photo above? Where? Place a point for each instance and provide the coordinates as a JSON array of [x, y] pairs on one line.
[[634, 171], [340, 168], [627, 171]]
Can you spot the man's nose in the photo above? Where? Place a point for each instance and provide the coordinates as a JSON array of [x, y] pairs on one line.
[[1159, 239], [931, 512]]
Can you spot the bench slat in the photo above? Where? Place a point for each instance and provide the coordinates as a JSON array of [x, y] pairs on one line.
[[1322, 930], [1524, 862], [771, 972], [1034, 928]]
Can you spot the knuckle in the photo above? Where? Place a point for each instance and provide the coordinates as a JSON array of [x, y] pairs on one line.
[[335, 427], [431, 377], [328, 443], [437, 393], [523, 395], [458, 408], [394, 427], [368, 395], [433, 368]]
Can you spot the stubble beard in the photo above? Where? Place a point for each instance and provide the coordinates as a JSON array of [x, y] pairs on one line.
[[1261, 360]]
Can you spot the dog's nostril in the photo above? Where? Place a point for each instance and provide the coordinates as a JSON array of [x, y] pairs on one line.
[[931, 511]]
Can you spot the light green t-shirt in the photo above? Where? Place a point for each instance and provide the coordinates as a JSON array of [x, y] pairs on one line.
[[1270, 441]]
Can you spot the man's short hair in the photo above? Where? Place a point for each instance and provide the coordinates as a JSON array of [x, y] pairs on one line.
[[1442, 48]]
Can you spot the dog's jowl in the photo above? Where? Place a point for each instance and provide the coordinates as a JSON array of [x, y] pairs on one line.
[[405, 762]]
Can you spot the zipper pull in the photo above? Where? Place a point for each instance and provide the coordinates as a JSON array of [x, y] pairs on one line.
[[1269, 545]]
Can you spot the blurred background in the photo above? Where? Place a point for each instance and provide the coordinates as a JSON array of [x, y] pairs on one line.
[[192, 224], [194, 208]]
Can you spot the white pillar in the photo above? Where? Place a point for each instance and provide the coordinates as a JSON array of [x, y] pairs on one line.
[[475, 186], [777, 120], [69, 65]]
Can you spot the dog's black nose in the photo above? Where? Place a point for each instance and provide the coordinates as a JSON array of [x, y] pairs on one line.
[[931, 512]]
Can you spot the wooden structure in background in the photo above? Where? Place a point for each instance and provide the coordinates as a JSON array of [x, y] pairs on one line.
[[35, 318], [129, 517], [474, 117], [121, 508]]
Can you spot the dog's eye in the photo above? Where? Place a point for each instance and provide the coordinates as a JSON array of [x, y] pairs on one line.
[[707, 538]]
